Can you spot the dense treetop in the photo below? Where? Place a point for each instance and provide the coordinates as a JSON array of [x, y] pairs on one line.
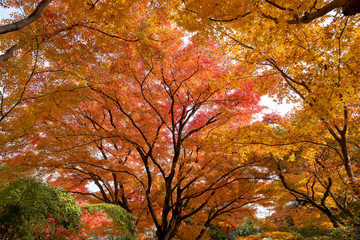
[[151, 108]]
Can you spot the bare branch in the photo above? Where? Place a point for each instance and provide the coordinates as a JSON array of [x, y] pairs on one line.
[[308, 17], [9, 53], [26, 21]]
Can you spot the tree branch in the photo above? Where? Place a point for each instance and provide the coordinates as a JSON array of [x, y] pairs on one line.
[[308, 17], [9, 53], [26, 21]]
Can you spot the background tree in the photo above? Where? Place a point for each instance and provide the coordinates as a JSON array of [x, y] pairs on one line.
[[312, 64], [51, 55], [307, 184]]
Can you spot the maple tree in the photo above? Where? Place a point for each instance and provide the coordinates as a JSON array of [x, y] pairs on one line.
[[308, 186], [313, 64], [142, 133], [100, 88], [306, 168], [43, 63], [245, 13], [321, 189], [37, 50], [22, 68]]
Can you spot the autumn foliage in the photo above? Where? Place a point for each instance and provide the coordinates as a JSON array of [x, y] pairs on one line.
[[148, 112]]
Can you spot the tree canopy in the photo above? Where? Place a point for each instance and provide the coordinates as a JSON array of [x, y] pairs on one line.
[[151, 110]]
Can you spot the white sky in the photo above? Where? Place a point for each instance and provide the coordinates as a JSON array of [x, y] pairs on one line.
[[273, 106], [5, 12]]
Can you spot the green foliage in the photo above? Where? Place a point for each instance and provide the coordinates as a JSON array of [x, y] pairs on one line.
[[119, 216], [216, 234], [314, 233], [31, 209], [309, 233], [247, 229], [107, 238], [346, 233]]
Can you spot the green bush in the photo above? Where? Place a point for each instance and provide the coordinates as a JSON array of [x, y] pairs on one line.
[[313, 233], [244, 230], [31, 209], [118, 215], [247, 229]]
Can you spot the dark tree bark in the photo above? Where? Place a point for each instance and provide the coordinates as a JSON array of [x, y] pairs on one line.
[[9, 53], [26, 21], [349, 8]]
